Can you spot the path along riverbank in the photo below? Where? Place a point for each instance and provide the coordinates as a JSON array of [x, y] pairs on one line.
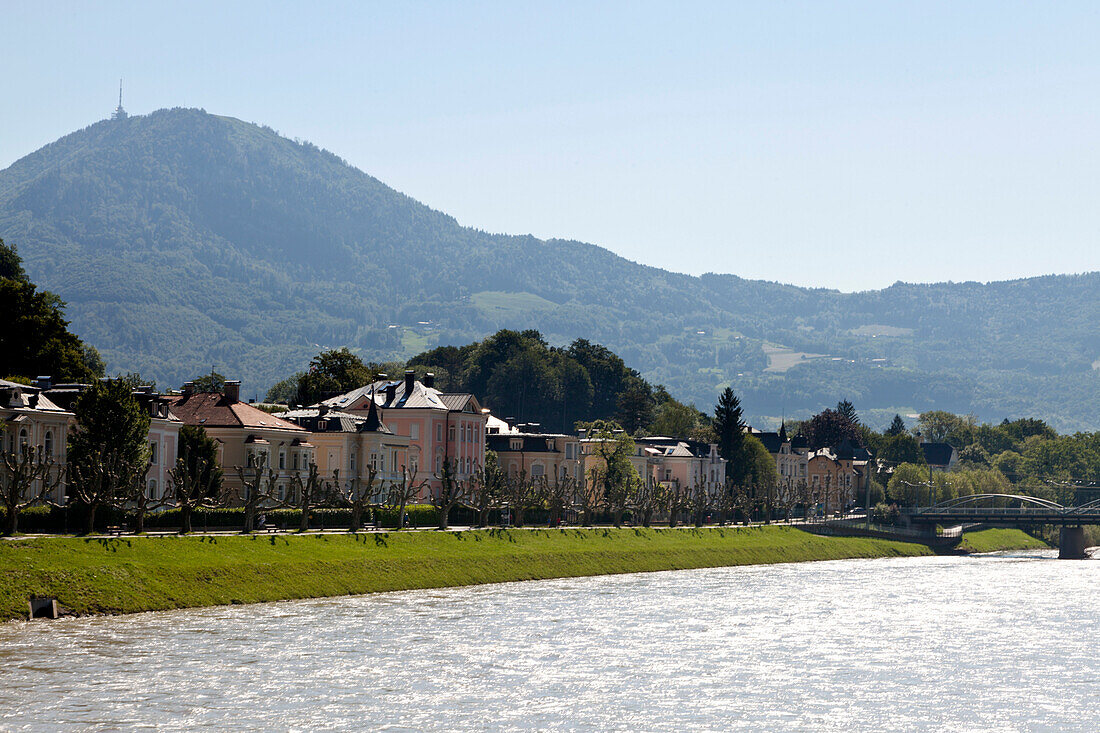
[[131, 574]]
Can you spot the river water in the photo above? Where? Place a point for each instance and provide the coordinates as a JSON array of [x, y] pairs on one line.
[[999, 642]]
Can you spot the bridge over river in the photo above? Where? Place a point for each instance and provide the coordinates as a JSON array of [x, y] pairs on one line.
[[1012, 510]]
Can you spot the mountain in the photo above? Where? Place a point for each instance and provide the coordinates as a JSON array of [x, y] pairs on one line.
[[183, 240]]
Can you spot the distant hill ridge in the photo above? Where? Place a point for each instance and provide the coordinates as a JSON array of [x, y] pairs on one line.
[[183, 240]]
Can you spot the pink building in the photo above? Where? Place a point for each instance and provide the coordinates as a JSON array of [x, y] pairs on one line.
[[440, 426]]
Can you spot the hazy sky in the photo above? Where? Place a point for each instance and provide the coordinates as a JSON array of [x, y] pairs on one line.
[[844, 145]]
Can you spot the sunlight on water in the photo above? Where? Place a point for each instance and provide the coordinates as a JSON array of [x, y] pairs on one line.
[[998, 643]]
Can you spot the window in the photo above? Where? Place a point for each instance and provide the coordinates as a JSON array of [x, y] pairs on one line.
[[536, 470], [393, 459], [438, 432], [352, 459], [153, 455], [282, 459], [451, 434], [414, 431], [152, 492], [296, 461], [48, 443], [23, 441]]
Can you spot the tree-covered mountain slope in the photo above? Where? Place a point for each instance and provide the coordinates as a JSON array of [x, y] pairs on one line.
[[183, 240]]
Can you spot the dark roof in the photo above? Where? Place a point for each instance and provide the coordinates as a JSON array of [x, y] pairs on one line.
[[771, 441], [937, 454], [531, 443], [696, 447], [333, 421]]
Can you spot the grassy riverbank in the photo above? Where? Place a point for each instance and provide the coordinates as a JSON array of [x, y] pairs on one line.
[[994, 540], [128, 574]]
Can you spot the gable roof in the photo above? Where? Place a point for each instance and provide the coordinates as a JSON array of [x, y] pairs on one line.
[[937, 454], [419, 397], [21, 398], [213, 410]]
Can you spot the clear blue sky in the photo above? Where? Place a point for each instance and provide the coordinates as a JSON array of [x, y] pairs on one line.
[[843, 145]]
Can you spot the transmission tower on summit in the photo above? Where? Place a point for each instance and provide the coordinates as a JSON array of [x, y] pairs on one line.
[[120, 113]]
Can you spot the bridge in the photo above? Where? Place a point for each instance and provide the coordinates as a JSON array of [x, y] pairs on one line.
[[1012, 510]]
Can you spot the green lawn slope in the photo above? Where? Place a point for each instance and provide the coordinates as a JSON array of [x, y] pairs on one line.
[[129, 574]]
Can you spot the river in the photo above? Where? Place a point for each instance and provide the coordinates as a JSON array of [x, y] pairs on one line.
[[999, 642]]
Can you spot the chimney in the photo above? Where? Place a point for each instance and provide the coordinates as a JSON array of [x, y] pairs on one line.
[[322, 410], [429, 380], [534, 427], [44, 383], [410, 377], [232, 390], [188, 389], [391, 393]]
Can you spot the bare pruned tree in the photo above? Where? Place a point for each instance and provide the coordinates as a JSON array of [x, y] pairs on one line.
[[358, 493], [402, 493], [589, 495], [677, 500], [486, 492], [556, 495], [307, 494], [648, 499], [189, 489], [519, 496], [450, 493], [99, 480], [257, 491], [703, 500], [27, 477], [135, 497]]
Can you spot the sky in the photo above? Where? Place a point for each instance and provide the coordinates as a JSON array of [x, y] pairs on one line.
[[842, 145]]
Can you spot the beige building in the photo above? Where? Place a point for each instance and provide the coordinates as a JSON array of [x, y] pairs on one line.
[[30, 419], [247, 437], [353, 444]]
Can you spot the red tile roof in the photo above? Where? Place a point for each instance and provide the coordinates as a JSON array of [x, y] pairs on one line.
[[213, 410]]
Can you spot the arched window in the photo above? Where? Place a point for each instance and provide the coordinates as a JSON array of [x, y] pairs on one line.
[[23, 440], [152, 488], [47, 444]]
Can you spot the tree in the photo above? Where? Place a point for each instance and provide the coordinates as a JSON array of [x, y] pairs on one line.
[[196, 479], [909, 485], [615, 475], [677, 420], [27, 476], [306, 493], [760, 470], [334, 372], [519, 496], [212, 382], [635, 405], [830, 428], [450, 493], [487, 488], [647, 499], [730, 429], [897, 427], [556, 494], [199, 453], [848, 411], [359, 494], [402, 492], [285, 390], [900, 448], [677, 499], [257, 490], [136, 498], [11, 264], [35, 338], [108, 449]]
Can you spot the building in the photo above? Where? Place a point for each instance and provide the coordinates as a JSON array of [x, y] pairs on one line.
[[353, 444], [164, 429], [839, 476], [525, 450], [246, 436], [684, 462], [440, 426], [28, 418], [790, 454], [164, 436]]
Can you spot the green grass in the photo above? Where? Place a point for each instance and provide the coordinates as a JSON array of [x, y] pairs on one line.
[[992, 540], [149, 573], [497, 304], [153, 573]]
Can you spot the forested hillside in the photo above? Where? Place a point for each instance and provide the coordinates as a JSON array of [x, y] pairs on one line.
[[183, 240]]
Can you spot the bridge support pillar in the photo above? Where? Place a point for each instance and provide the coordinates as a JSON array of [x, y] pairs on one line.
[[1071, 543]]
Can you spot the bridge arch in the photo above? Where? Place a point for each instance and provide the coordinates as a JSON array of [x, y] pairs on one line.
[[962, 501]]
